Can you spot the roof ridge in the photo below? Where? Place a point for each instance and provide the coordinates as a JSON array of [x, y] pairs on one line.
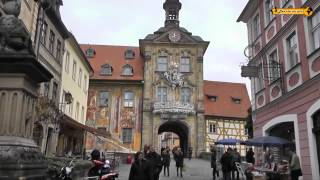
[[110, 45], [224, 82]]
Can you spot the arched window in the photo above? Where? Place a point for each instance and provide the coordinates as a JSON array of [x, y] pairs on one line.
[[127, 70], [106, 70]]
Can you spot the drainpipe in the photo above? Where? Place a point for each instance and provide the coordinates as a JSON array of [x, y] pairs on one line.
[[141, 124]]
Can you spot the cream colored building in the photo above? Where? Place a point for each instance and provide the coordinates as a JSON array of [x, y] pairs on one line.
[[29, 14], [75, 80]]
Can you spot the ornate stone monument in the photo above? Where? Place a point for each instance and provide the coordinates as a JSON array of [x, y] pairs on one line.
[[20, 75]]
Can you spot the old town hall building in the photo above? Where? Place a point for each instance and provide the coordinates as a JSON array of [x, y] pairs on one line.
[[137, 93]]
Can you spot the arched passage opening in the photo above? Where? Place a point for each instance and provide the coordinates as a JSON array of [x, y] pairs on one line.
[[179, 129]]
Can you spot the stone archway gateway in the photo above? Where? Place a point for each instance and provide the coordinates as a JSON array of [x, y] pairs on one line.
[[178, 128]]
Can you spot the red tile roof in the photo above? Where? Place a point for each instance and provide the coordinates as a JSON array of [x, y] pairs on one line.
[[224, 106], [114, 56]]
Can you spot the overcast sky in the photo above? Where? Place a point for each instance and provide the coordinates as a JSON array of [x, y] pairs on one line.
[[124, 22]]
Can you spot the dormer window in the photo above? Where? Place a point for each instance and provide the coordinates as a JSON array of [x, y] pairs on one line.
[[90, 53], [213, 98], [236, 100], [106, 70], [127, 70], [129, 54]]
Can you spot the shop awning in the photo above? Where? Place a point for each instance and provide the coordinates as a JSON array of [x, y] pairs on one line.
[[68, 121]]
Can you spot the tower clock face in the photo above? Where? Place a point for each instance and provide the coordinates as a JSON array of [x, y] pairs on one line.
[[174, 36]]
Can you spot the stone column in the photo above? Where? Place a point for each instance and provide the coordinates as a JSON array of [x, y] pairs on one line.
[[19, 155]]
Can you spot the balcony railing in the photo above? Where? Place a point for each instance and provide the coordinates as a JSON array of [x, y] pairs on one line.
[[173, 108]]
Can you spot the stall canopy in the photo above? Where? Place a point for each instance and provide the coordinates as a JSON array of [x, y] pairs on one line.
[[268, 141], [229, 141]]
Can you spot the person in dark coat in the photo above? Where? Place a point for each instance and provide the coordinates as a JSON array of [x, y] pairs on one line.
[[236, 158], [179, 161], [214, 162], [155, 162], [250, 156], [166, 161], [227, 164], [140, 168], [190, 153]]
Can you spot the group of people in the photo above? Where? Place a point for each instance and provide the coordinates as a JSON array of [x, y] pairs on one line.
[[228, 163], [149, 164], [232, 156]]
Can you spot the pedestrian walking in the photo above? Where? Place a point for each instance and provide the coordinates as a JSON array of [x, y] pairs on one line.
[[226, 162], [214, 162], [155, 162], [294, 165], [190, 153], [250, 156], [140, 168], [166, 161], [236, 158], [179, 161]]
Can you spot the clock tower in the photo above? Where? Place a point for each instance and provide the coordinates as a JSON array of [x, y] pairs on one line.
[[173, 83]]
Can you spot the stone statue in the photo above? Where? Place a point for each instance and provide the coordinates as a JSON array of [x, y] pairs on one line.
[[14, 37]]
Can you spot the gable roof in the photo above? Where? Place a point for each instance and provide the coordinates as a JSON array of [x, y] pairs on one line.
[[224, 106], [114, 56]]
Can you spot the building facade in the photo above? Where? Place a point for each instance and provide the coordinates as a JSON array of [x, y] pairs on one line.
[[73, 99], [226, 112], [173, 83], [49, 46], [115, 95], [285, 90]]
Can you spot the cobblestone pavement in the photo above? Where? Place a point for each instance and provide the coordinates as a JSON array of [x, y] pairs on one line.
[[196, 169]]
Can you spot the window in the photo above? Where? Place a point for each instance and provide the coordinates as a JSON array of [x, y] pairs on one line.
[[128, 99], [162, 63], [129, 54], [106, 70], [185, 64], [212, 128], [127, 70], [162, 94], [80, 77], [46, 89], [43, 34], [52, 37], [126, 135], [104, 99], [172, 14], [274, 68], [54, 92], [82, 114], [259, 79], [67, 64], [77, 111], [74, 70], [268, 10], [315, 30], [185, 95], [90, 52], [292, 48], [256, 27], [213, 98], [85, 83], [58, 56], [236, 100]]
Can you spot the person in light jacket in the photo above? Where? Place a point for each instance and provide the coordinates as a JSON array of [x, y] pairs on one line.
[[294, 166]]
